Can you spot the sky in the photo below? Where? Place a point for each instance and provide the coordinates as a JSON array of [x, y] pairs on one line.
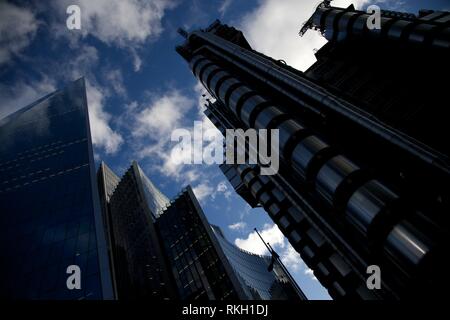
[[139, 89]]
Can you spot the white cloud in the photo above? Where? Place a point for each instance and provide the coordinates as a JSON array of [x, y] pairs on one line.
[[191, 175], [253, 243], [153, 126], [224, 7], [310, 273], [223, 188], [291, 259], [245, 211], [237, 226], [21, 94], [80, 63], [272, 28], [18, 27], [126, 24], [202, 191], [115, 80], [163, 115], [273, 235], [120, 22], [102, 134], [137, 61]]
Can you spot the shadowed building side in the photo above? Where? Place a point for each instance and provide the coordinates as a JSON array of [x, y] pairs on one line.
[[364, 168], [165, 249], [107, 183], [141, 270], [49, 203]]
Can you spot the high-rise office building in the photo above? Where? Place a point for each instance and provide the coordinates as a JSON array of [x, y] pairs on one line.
[[165, 249], [107, 182], [50, 214], [140, 269], [364, 169], [253, 275]]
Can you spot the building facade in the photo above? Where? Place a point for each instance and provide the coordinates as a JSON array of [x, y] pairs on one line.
[[254, 277], [364, 169], [165, 249], [49, 201], [107, 182], [140, 268]]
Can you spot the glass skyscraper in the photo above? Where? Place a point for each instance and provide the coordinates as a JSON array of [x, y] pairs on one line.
[[49, 208], [254, 276], [165, 249], [107, 183], [127, 238], [139, 265]]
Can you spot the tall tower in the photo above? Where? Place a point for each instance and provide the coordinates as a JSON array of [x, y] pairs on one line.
[[140, 268], [165, 249], [107, 182], [50, 215], [364, 168]]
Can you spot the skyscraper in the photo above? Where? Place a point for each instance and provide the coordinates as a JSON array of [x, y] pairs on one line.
[[107, 182], [140, 269], [50, 214], [252, 272], [364, 170], [165, 249]]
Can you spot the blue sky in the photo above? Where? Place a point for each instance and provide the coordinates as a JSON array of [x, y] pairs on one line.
[[139, 89]]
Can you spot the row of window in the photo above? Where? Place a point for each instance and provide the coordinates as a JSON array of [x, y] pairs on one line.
[[62, 172]]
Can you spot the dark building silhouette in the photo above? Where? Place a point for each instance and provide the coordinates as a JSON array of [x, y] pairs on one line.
[[50, 214], [364, 170], [165, 249], [139, 266], [107, 182]]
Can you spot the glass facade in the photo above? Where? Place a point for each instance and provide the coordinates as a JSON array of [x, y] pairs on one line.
[[107, 182], [156, 200], [167, 249], [252, 270], [198, 265], [49, 202], [139, 265]]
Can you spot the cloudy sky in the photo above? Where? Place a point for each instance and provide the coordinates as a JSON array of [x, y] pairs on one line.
[[139, 90]]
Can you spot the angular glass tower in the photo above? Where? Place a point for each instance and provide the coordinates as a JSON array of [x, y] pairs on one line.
[[254, 276], [50, 214], [139, 265], [198, 264], [165, 249], [107, 183]]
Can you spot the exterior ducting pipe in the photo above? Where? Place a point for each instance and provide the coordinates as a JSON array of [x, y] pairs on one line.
[[325, 98], [432, 30], [329, 173]]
